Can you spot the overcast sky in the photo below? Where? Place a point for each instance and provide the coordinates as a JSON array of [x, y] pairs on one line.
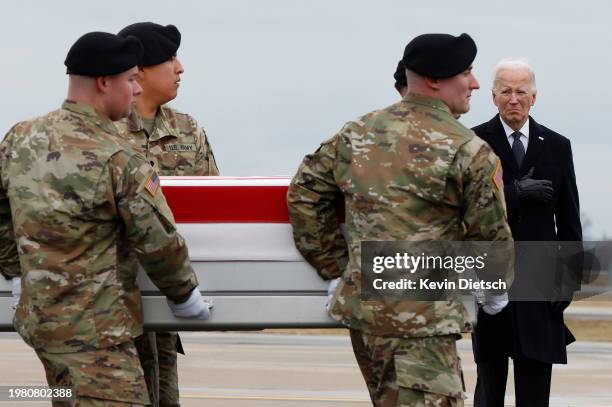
[[269, 80]]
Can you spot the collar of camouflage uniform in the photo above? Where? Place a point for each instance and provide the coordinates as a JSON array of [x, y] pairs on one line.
[[161, 122], [92, 114], [426, 101]]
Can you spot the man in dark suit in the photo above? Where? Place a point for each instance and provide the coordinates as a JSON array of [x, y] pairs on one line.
[[542, 203]]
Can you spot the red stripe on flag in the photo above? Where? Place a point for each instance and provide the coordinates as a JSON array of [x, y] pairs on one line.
[[227, 204]]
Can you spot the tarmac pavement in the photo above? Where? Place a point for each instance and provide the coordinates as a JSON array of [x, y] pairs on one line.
[[264, 369]]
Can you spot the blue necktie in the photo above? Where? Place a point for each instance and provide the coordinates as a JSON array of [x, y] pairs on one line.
[[517, 148]]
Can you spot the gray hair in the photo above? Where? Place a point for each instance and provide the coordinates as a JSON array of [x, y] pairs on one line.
[[514, 64]]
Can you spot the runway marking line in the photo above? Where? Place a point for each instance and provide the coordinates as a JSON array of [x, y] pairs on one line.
[[279, 398]]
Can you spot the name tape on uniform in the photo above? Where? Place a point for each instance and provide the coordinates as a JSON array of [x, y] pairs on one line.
[[180, 147]]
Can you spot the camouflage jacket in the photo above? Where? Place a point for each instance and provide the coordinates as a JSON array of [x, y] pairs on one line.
[[409, 172], [176, 146], [79, 201]]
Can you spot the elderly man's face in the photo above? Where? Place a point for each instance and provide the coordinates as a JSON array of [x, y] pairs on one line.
[[514, 94], [456, 91]]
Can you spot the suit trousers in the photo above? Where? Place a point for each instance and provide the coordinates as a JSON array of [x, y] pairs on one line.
[[531, 383]]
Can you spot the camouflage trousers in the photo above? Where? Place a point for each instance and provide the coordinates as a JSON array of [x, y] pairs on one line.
[[410, 372], [158, 356], [109, 377]]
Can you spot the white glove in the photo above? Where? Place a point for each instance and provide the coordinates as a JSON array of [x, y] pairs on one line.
[[493, 304], [195, 307], [330, 291], [16, 290]]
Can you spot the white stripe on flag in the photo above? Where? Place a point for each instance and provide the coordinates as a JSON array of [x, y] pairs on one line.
[[225, 181], [239, 241]]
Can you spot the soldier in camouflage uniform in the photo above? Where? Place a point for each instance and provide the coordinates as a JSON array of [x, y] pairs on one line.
[[411, 172], [401, 85], [174, 144], [73, 202]]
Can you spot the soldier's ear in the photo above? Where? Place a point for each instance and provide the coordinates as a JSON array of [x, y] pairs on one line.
[[433, 83], [102, 84], [141, 75]]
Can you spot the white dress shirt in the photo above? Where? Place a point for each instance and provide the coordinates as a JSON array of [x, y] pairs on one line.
[[524, 133]]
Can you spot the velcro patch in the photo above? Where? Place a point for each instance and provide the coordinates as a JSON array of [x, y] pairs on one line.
[[180, 147], [498, 176], [152, 184]]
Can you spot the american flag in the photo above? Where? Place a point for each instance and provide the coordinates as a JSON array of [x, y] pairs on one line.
[[152, 184]]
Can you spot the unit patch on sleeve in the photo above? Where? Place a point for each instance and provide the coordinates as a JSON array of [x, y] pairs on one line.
[[498, 176]]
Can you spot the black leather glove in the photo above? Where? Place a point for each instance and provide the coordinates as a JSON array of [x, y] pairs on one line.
[[535, 189]]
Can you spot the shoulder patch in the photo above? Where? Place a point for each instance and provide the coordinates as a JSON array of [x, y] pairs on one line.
[[152, 184], [498, 175]]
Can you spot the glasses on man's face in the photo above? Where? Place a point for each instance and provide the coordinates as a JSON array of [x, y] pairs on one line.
[[507, 94]]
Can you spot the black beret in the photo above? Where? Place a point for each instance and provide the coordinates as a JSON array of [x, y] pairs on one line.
[[439, 55], [100, 54], [400, 74], [160, 43]]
